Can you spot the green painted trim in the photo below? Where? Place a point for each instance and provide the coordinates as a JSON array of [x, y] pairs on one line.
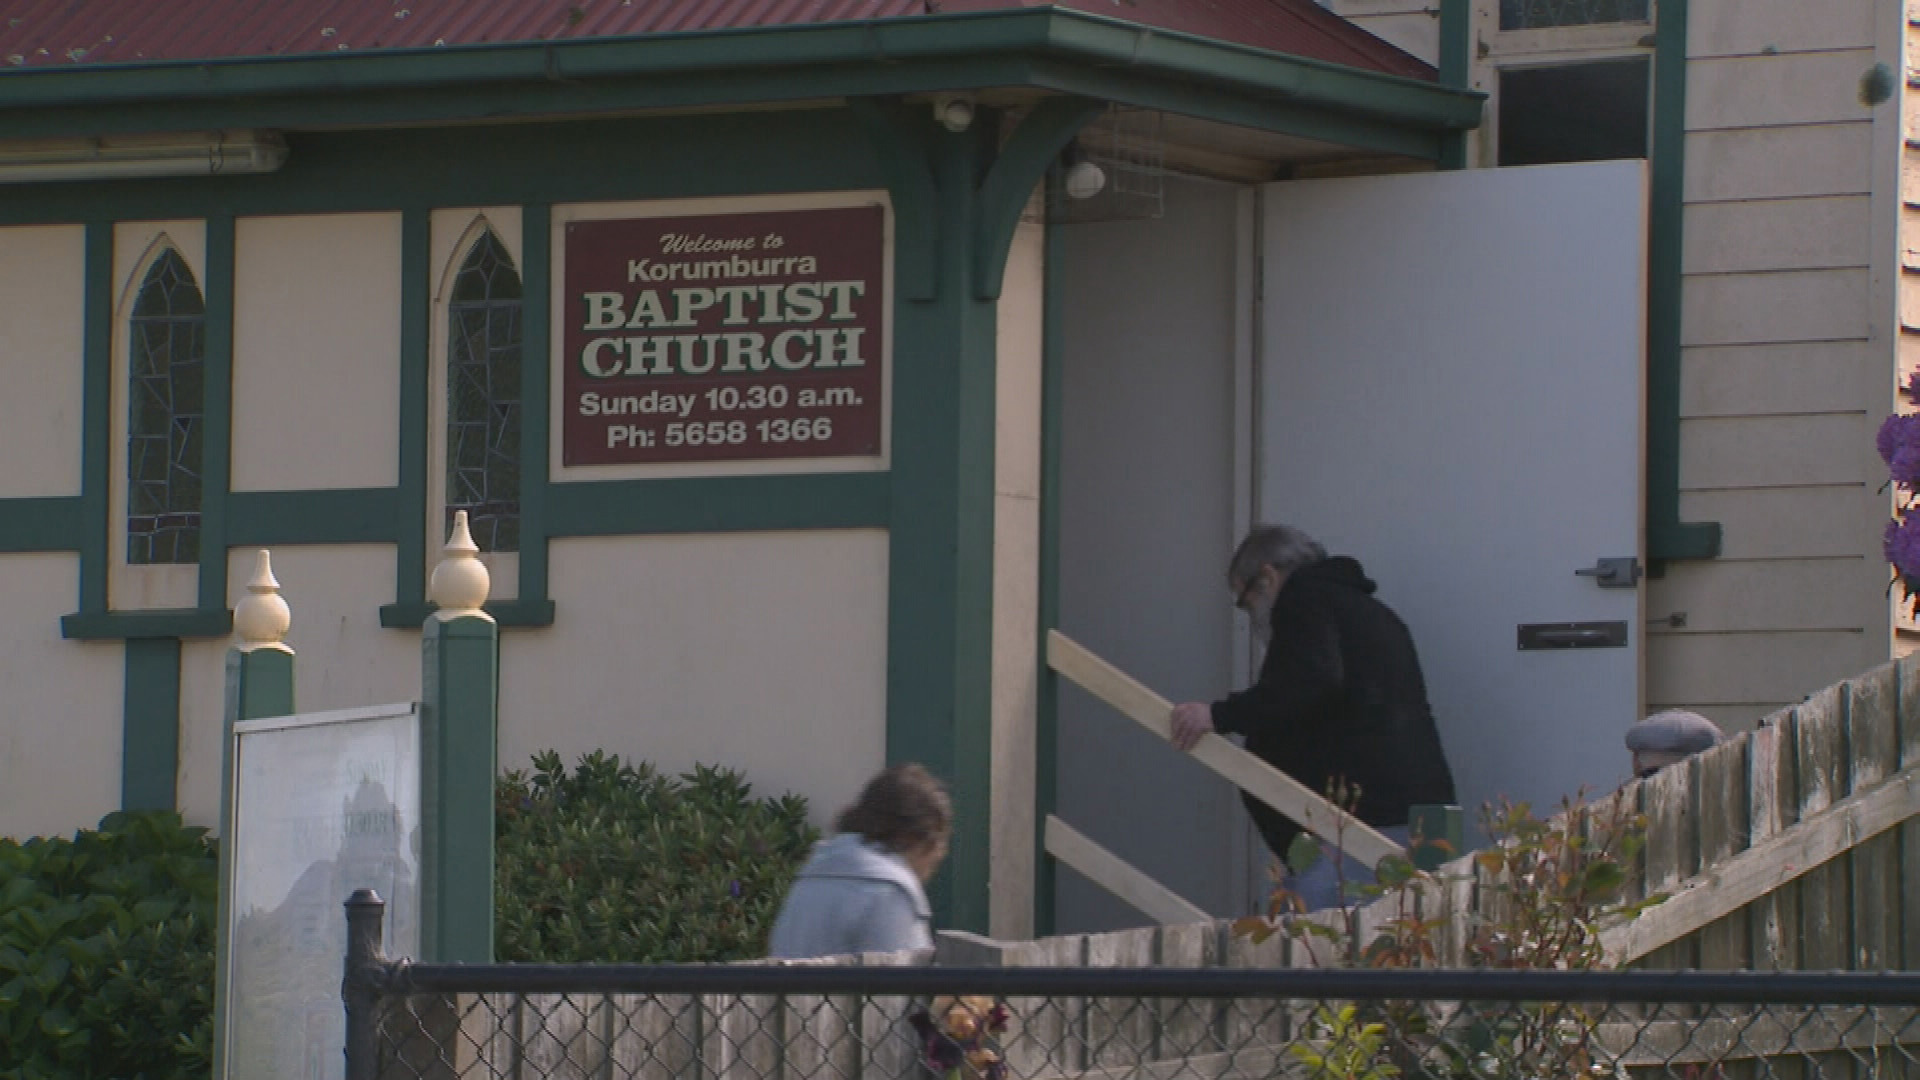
[[1456, 67], [216, 444], [146, 625], [150, 725], [1021, 165], [940, 545], [1442, 830], [536, 287], [96, 418], [41, 524], [505, 613], [580, 160], [900, 146], [1667, 536], [459, 689], [258, 684], [727, 503], [335, 516], [416, 367], [1278, 115], [909, 50], [1047, 706]]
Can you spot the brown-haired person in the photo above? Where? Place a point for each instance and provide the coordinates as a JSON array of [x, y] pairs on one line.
[[862, 890]]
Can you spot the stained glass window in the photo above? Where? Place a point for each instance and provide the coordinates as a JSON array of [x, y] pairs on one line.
[[1536, 14], [166, 360], [483, 397]]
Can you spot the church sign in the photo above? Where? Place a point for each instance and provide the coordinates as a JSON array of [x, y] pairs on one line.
[[730, 337]]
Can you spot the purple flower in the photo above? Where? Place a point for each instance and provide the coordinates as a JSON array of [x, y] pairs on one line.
[[734, 888], [1897, 431], [1905, 466], [1901, 545], [1911, 388], [937, 1049]]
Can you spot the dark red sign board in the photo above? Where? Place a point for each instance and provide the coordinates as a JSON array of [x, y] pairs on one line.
[[723, 338]]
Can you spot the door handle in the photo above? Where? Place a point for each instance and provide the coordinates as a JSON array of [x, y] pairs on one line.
[[1613, 573]]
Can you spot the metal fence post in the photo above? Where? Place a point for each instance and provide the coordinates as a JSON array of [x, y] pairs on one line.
[[365, 913]]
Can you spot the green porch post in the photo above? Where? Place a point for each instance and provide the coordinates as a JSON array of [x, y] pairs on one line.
[[460, 654], [259, 684], [957, 197]]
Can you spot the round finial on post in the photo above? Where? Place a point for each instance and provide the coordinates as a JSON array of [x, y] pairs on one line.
[[460, 583], [261, 618]]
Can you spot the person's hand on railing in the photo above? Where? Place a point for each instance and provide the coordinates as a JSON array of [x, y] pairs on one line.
[[1190, 723]]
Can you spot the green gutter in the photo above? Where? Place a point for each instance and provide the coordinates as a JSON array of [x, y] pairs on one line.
[[1667, 536], [791, 50]]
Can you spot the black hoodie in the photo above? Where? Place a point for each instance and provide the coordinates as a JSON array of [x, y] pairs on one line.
[[1340, 697]]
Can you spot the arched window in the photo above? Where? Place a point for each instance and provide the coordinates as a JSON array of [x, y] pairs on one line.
[[483, 396], [166, 352]]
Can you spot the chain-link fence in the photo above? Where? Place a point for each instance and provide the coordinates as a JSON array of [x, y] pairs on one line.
[[801, 1022]]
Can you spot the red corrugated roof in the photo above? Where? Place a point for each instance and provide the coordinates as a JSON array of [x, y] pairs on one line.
[[41, 33]]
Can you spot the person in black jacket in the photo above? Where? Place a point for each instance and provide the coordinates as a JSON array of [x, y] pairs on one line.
[[1339, 702]]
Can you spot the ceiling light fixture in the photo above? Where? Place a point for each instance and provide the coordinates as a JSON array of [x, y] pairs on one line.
[[217, 153]]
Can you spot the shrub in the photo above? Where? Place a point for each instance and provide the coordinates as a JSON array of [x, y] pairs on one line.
[[106, 951], [618, 863]]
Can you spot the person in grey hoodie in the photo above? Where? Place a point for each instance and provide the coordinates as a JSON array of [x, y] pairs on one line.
[[862, 890]]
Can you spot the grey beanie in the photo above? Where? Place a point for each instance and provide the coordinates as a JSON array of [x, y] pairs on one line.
[[1673, 731]]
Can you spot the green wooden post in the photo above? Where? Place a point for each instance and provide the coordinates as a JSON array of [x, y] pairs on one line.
[[460, 656], [1439, 835], [259, 684]]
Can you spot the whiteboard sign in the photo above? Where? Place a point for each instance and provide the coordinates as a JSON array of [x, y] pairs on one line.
[[322, 804]]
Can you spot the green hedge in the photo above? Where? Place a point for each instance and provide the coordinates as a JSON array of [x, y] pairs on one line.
[[107, 939], [106, 951], [618, 863]]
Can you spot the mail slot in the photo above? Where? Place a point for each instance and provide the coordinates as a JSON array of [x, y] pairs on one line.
[[1573, 635]]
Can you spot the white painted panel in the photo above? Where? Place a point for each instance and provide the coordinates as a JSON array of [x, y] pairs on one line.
[[1751, 380], [1743, 27], [1845, 593], [343, 658], [316, 343], [1776, 234], [762, 652], [1146, 525], [1766, 91], [1801, 305], [1776, 162], [1472, 464], [60, 718], [1777, 451], [1756, 668], [42, 291], [1019, 332], [1773, 523]]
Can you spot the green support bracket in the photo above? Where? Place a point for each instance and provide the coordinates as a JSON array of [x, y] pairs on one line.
[[1021, 165]]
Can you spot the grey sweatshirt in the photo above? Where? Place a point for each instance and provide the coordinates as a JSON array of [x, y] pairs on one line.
[[852, 897]]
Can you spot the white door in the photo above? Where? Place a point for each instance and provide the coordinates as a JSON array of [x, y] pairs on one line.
[[1451, 390]]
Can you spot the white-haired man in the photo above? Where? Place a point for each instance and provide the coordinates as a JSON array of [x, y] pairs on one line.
[[1340, 699]]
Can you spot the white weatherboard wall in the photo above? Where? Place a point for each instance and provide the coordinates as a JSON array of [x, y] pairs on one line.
[[1016, 580], [1147, 513], [316, 352], [60, 718], [761, 652], [42, 289], [1788, 354], [343, 659]]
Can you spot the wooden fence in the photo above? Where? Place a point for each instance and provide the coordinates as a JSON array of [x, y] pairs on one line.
[[1794, 846]]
